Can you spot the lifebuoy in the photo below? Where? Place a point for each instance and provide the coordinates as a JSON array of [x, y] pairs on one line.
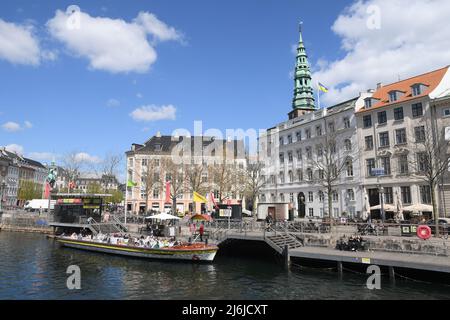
[[424, 232], [195, 258]]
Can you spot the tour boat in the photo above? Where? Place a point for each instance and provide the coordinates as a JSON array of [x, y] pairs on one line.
[[185, 252]]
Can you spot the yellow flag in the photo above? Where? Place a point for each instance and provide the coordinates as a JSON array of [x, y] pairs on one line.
[[199, 198]]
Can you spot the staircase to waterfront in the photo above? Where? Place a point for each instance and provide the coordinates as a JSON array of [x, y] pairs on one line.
[[280, 241], [110, 227]]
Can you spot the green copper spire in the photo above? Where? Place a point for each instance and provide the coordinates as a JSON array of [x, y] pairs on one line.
[[303, 92]]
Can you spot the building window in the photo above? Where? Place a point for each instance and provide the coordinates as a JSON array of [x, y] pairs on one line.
[[351, 195], [291, 198], [299, 154], [310, 196], [319, 149], [367, 121], [384, 139], [346, 123], [281, 177], [386, 165], [321, 174], [446, 112], [281, 141], [369, 142], [155, 194], [406, 195], [281, 157], [349, 165], [331, 127], [398, 114], [400, 136], [318, 131], [291, 176], [422, 162], [300, 175], [309, 153], [299, 135], [417, 110], [282, 197], [370, 165], [419, 132], [289, 139], [308, 133], [335, 196], [310, 174], [393, 96], [368, 103], [425, 194], [417, 90], [321, 196], [382, 117], [403, 164], [388, 195], [311, 212], [144, 162], [348, 145], [290, 157]]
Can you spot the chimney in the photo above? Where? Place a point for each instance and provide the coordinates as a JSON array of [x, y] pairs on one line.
[[379, 85], [158, 134]]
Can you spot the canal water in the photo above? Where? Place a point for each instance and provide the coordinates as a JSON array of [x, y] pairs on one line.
[[33, 267]]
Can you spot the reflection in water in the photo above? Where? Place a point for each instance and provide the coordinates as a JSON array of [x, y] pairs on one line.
[[32, 267]]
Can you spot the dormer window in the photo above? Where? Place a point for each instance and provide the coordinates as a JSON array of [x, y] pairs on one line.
[[368, 103], [392, 96], [418, 89], [157, 147]]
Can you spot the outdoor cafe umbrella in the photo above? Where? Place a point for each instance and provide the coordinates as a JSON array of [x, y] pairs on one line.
[[419, 207], [386, 207], [163, 216], [202, 217]]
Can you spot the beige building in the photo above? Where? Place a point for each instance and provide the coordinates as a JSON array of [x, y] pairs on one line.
[[391, 127], [152, 164]]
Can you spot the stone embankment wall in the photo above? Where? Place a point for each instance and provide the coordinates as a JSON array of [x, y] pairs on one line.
[[25, 222]]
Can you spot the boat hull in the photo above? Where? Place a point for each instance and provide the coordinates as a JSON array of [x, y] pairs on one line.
[[207, 253]]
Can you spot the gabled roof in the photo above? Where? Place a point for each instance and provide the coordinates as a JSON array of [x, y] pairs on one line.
[[431, 80]]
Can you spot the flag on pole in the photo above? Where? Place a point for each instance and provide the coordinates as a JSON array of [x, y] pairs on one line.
[[322, 87], [199, 198], [131, 184], [168, 192]]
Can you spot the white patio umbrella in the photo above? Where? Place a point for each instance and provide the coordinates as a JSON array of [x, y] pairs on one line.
[[163, 216], [386, 207], [418, 207]]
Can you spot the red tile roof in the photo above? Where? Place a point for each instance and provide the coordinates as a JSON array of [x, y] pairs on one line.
[[430, 79]]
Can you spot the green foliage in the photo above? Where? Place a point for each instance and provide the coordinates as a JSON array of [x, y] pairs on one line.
[[117, 196], [29, 190], [94, 188]]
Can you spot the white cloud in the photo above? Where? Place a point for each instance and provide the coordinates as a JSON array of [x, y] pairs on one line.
[[15, 148], [413, 38], [139, 95], [154, 113], [85, 157], [18, 45], [28, 125], [112, 45], [156, 27], [113, 103], [42, 156], [11, 126]]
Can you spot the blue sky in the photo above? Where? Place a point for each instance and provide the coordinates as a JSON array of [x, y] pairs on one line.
[[226, 63]]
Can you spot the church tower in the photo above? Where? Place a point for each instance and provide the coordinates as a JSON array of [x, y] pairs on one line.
[[304, 101]]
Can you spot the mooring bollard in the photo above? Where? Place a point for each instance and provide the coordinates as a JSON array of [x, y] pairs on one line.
[[287, 257]]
